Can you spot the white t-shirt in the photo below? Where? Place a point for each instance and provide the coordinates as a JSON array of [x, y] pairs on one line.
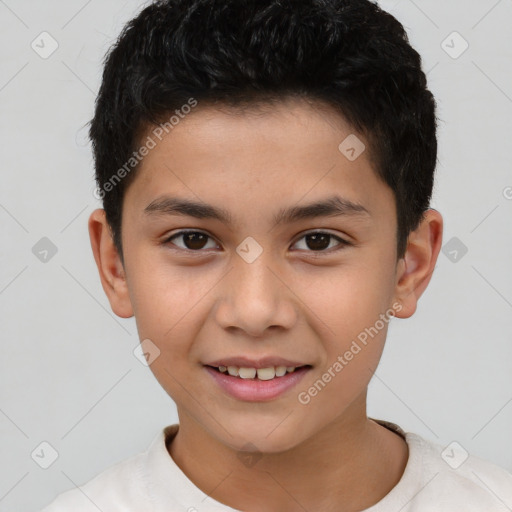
[[435, 479]]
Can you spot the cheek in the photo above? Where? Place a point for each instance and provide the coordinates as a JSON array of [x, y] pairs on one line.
[[349, 300], [160, 310], [170, 308], [344, 379], [162, 294], [353, 316]]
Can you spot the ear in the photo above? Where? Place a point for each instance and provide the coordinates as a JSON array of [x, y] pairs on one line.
[[110, 267], [415, 269]]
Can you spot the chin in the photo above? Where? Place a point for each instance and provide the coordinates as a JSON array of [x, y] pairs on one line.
[[256, 435]]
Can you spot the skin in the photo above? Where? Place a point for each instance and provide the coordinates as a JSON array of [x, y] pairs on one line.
[[292, 301]]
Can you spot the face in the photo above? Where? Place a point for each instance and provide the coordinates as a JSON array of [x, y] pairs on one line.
[[252, 278]]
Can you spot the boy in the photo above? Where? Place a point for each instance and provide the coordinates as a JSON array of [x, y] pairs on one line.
[[266, 169]]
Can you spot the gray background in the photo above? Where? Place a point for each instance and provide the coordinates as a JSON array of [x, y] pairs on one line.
[[68, 373]]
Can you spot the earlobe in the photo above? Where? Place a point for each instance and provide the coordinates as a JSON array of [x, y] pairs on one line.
[[415, 270], [110, 267]]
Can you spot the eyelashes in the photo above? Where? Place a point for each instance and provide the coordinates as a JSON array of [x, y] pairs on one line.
[[196, 239]]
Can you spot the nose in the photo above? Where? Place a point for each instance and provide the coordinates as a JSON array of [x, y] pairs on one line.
[[255, 297]]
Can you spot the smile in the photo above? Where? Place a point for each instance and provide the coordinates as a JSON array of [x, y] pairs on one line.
[[257, 373], [261, 384]]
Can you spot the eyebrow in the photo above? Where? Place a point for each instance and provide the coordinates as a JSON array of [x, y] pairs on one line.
[[334, 206]]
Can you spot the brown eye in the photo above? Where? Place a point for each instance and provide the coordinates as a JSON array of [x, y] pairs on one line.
[[320, 241], [192, 240]]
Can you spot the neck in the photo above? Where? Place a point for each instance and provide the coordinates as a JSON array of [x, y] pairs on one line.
[[350, 465]]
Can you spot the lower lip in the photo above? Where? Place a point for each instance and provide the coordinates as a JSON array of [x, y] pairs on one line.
[[255, 390]]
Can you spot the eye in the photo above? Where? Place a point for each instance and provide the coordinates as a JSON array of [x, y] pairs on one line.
[[192, 240], [319, 241]]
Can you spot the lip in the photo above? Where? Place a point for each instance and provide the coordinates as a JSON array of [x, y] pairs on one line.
[[255, 390], [264, 362]]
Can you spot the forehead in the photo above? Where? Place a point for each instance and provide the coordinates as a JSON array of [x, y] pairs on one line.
[[277, 153]]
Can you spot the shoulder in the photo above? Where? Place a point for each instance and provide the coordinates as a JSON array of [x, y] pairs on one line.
[[452, 477], [127, 485], [112, 490]]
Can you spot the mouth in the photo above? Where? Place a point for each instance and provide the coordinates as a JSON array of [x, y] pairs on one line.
[[256, 381], [251, 373]]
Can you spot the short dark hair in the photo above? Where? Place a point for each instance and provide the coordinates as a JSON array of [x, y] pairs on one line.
[[349, 54]]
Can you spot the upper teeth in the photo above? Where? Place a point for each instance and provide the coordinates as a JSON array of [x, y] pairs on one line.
[[261, 373]]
